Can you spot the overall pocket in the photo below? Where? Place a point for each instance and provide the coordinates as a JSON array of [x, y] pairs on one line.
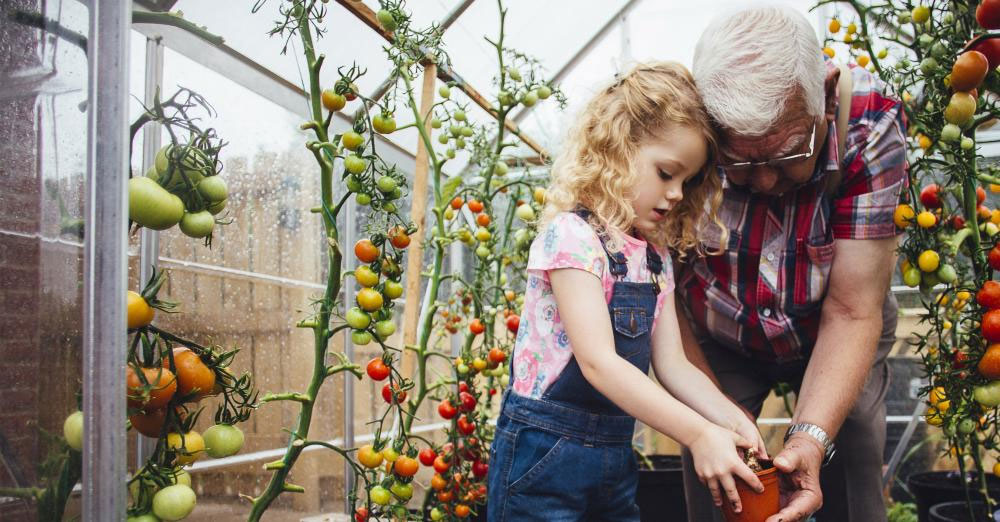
[[535, 453]]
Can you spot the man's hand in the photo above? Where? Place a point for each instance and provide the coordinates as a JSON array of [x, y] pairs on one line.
[[799, 463]]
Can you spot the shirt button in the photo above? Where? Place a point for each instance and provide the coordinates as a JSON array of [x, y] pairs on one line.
[[770, 257], [766, 312]]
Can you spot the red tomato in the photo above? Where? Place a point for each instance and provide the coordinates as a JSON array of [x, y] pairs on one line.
[[468, 428], [959, 359], [513, 322], [399, 238], [990, 326], [929, 196], [387, 394], [991, 50], [989, 295], [463, 386], [377, 369], [480, 469], [365, 251], [476, 326], [994, 258], [980, 195], [457, 203], [497, 355], [969, 70], [957, 222], [446, 410], [361, 514], [427, 457], [440, 464], [475, 205], [468, 401], [988, 14]]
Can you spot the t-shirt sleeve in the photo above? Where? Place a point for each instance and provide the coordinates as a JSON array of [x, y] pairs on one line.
[[876, 167], [567, 242]]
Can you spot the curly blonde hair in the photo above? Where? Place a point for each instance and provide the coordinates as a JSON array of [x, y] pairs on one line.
[[595, 169]]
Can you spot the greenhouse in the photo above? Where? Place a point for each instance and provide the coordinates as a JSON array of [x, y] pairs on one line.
[[329, 260]]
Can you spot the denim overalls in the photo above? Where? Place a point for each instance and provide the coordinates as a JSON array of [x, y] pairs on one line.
[[568, 456]]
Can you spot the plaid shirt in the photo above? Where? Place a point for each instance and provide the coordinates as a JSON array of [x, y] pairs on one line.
[[762, 295]]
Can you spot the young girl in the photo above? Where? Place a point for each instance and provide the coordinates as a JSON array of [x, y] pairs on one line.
[[632, 181]]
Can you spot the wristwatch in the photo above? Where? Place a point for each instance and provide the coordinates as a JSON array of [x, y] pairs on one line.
[[818, 434]]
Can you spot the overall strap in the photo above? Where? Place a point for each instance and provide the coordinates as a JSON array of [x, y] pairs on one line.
[[618, 265]]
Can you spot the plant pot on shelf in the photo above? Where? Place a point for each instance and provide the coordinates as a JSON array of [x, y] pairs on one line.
[[935, 487], [660, 492], [756, 506], [959, 512]]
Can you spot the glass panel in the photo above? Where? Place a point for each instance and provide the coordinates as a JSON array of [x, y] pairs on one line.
[[43, 148]]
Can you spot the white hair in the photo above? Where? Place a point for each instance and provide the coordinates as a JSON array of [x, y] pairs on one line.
[[747, 63]]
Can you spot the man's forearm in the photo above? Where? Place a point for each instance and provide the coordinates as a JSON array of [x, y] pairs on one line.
[[837, 371]]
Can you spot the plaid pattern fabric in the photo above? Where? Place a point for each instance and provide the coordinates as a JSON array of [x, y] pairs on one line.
[[762, 295]]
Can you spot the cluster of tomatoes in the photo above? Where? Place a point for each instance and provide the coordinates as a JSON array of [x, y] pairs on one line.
[[182, 188], [159, 398], [379, 282]]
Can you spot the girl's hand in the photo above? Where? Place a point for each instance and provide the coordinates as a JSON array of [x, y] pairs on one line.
[[745, 425], [716, 460]]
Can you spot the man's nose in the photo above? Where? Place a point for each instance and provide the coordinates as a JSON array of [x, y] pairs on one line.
[[764, 178]]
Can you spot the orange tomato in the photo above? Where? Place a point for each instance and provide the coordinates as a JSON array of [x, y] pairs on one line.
[[475, 205], [193, 375], [399, 238], [438, 482], [139, 312], [483, 219], [162, 386], [969, 70], [406, 466], [476, 326], [365, 251], [462, 511], [989, 365], [457, 203], [150, 423]]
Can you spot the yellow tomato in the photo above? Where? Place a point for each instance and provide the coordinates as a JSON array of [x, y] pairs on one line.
[[963, 295], [139, 312], [926, 219], [834, 26], [925, 142], [828, 51], [936, 396], [863, 60], [189, 447], [852, 28], [368, 457], [933, 417], [928, 261]]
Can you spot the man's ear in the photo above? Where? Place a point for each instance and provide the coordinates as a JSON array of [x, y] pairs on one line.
[[831, 92]]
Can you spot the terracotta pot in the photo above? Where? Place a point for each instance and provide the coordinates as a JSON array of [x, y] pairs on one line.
[[756, 507]]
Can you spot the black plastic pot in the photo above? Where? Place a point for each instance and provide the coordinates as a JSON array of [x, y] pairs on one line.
[[930, 488], [661, 490], [959, 512]]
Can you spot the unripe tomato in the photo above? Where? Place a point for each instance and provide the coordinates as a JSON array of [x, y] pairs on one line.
[[530, 98], [332, 101], [162, 386], [403, 491], [223, 440], [357, 318], [525, 213], [386, 19], [385, 328], [365, 276], [139, 313], [213, 189], [355, 164], [352, 140], [189, 446], [197, 224], [360, 337], [174, 502], [392, 290], [380, 495], [377, 369], [369, 299], [73, 430], [384, 124], [544, 91], [368, 457], [152, 206]]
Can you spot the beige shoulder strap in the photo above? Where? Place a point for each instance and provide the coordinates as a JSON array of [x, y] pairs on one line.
[[845, 88]]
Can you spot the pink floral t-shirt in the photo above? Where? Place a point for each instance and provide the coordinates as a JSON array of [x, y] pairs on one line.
[[542, 348]]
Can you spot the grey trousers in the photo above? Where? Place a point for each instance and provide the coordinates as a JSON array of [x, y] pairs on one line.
[[852, 482]]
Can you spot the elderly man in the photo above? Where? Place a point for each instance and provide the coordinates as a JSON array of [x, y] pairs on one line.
[[799, 293]]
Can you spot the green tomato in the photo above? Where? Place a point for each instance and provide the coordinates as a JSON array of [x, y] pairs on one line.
[[435, 123], [361, 337], [213, 188], [152, 206], [938, 50], [967, 143], [73, 430], [911, 277], [505, 380], [444, 91], [174, 502], [352, 140], [967, 426], [500, 168], [443, 139], [436, 514], [358, 318], [514, 74], [390, 207], [217, 207], [524, 213], [459, 143], [383, 329], [194, 164], [380, 495], [459, 115], [363, 199], [352, 183], [392, 290], [162, 161], [530, 99], [467, 131], [988, 394], [386, 19], [450, 153], [145, 517], [930, 279], [355, 164], [928, 65], [544, 92], [402, 491], [951, 133], [222, 440], [925, 40], [946, 273], [455, 130], [387, 184], [197, 224], [384, 124], [179, 476], [462, 369], [482, 251]]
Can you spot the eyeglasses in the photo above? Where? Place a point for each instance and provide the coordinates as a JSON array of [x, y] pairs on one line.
[[776, 162]]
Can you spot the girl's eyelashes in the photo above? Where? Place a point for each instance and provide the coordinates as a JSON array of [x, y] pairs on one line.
[[664, 175]]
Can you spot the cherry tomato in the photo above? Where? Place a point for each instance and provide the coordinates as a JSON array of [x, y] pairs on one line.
[[352, 140], [399, 238], [991, 326], [476, 326], [332, 101], [468, 401], [388, 395], [475, 206], [462, 511], [380, 495], [361, 514], [468, 428], [989, 295], [162, 386], [392, 290], [369, 299], [513, 322], [368, 457], [994, 258], [446, 410], [497, 355], [365, 251], [930, 197], [480, 469], [463, 386], [427, 456], [139, 313], [438, 482], [457, 203], [440, 464], [377, 369], [483, 219], [357, 318], [406, 466]]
